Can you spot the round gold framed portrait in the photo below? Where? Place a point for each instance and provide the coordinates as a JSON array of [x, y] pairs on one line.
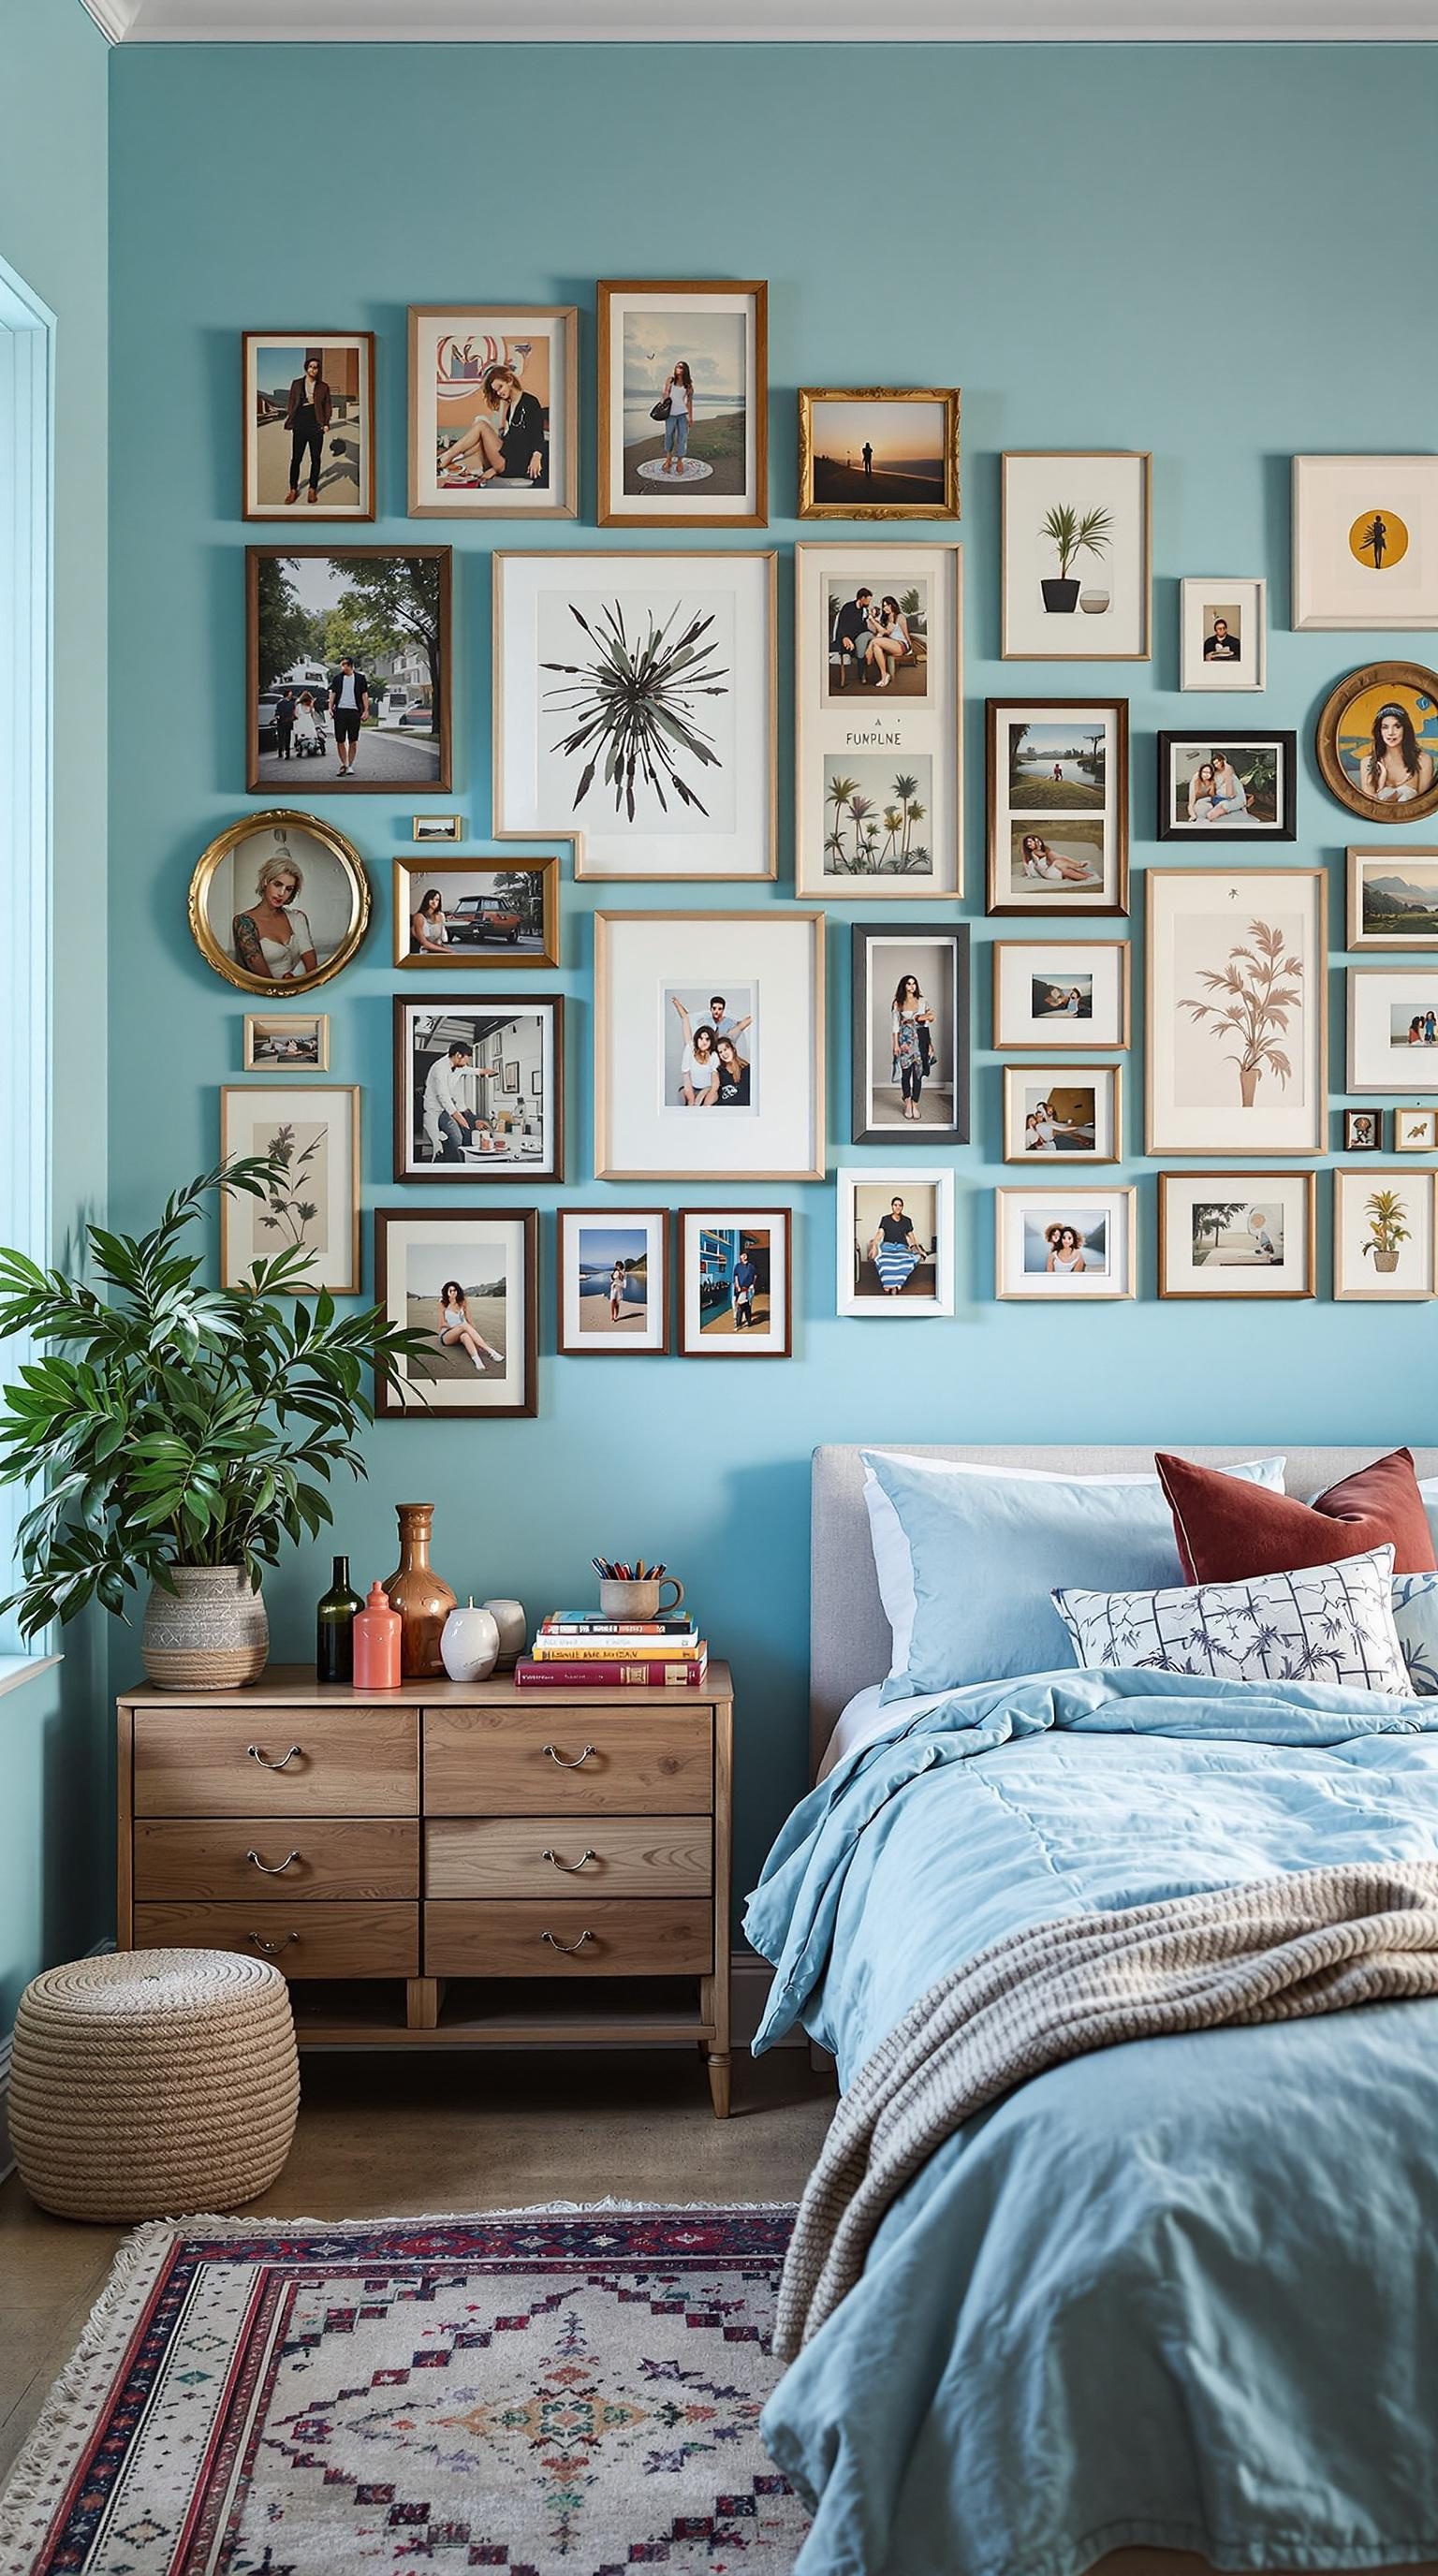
[[279, 903], [1378, 742]]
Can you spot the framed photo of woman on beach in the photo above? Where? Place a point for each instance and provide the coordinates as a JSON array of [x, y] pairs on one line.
[[910, 1048], [1058, 805], [878, 677], [493, 412], [309, 424], [1377, 742], [683, 403], [880, 452], [279, 902], [613, 1282], [469, 1283], [736, 1290], [895, 1241]]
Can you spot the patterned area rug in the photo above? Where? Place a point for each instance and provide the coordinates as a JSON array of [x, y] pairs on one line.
[[550, 2393]]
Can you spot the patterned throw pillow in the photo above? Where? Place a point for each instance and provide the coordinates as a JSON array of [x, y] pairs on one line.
[[1325, 1623], [1415, 1616]]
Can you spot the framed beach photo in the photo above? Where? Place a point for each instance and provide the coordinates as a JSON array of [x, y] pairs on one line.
[[309, 424], [879, 453], [1076, 577], [1365, 541], [476, 912], [895, 1242], [1074, 1110], [479, 1087], [1231, 787], [1060, 993], [1237, 1011], [909, 1055], [1393, 1028], [493, 412], [1383, 1235], [347, 668], [1377, 742], [683, 403], [468, 1281], [1236, 1234], [634, 707], [736, 1289], [1415, 1129], [709, 1046], [613, 1282], [1223, 632], [1075, 1245], [278, 903], [1393, 899], [1363, 1130], [312, 1136], [878, 682], [1057, 805], [287, 1041]]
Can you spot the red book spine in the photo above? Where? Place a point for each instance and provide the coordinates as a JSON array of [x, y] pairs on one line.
[[628, 1674]]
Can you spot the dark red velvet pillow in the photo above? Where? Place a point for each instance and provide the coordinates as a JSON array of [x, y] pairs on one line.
[[1228, 1530]]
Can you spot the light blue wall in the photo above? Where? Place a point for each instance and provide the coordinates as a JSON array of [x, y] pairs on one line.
[[54, 1731], [1218, 258]]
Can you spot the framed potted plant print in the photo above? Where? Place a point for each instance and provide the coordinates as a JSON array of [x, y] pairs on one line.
[[1383, 1236], [1060, 993], [1415, 1130], [1231, 787], [910, 1043], [1223, 632], [288, 1041], [360, 722], [1377, 742], [613, 1282], [709, 1046], [1057, 805], [1073, 1245], [1235, 1234], [311, 1134], [1365, 541], [879, 453], [1075, 1110], [1363, 1130], [878, 677], [895, 1242], [1393, 898], [467, 1281], [309, 423], [736, 1290], [1237, 1011], [1077, 582], [493, 412], [278, 903], [683, 403], [476, 912], [634, 707], [479, 1087], [1393, 1028]]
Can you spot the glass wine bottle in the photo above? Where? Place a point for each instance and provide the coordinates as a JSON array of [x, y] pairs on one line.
[[334, 1627]]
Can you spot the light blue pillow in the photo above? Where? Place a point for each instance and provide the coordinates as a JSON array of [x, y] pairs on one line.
[[968, 1556], [1415, 1616]]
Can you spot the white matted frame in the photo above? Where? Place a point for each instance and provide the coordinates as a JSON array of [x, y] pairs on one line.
[[713, 1245], [1061, 993], [864, 1194], [1390, 1011], [267, 1032], [296, 347], [656, 305], [1029, 1089], [434, 331], [1223, 632], [617, 1325], [1082, 602], [1372, 1208], [1338, 503], [1393, 899], [850, 722], [1415, 1129], [1236, 1234], [1237, 1054], [1056, 812], [1032, 1229], [252, 1115]]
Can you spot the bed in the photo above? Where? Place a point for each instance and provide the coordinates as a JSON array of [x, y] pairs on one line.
[[1175, 2297]]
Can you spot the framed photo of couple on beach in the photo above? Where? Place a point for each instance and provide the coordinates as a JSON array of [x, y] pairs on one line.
[[1058, 805], [683, 403], [881, 452], [493, 412], [878, 673]]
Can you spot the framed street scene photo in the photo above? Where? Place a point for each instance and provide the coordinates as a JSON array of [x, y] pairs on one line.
[[1231, 787], [1393, 899], [1365, 541], [467, 1280], [736, 1290], [683, 403], [479, 1087], [1235, 1234], [347, 668], [278, 903], [1076, 557], [1237, 1011], [476, 912], [1377, 742], [709, 1046], [613, 1282], [1060, 993], [287, 1041], [895, 1242], [1057, 805], [634, 706], [309, 424], [1223, 631], [1075, 1110], [311, 1134], [909, 1053], [879, 453], [1074, 1245], [878, 681], [1383, 1247], [1393, 1028], [493, 412]]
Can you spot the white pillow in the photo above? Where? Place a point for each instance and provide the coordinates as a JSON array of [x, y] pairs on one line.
[[1327, 1623]]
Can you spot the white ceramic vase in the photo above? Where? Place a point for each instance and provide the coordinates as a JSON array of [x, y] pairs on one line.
[[469, 1644]]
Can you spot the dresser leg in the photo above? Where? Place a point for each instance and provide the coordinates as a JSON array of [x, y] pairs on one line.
[[719, 2083], [422, 1999]]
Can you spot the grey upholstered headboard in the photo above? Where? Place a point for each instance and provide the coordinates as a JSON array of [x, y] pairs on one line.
[[848, 1633]]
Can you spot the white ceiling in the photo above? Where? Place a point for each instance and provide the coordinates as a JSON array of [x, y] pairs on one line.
[[767, 21]]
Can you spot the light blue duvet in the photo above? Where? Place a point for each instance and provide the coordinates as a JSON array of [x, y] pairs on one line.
[[1181, 2293]]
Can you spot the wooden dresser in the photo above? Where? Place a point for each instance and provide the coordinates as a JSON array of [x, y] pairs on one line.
[[452, 1863]]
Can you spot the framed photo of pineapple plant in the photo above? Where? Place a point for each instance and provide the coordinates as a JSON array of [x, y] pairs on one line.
[[1383, 1239], [1077, 569], [1237, 1011]]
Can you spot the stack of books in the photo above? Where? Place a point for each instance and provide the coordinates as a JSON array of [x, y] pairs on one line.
[[578, 1650]]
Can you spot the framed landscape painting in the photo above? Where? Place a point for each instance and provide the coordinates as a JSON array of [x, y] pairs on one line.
[[1060, 993], [1057, 805], [479, 1087], [493, 412], [909, 1054], [1077, 581], [878, 678], [1237, 1011], [1230, 787], [736, 1288], [1236, 1234], [613, 1282], [1383, 1236], [1377, 742], [309, 424], [683, 403], [467, 1281], [1365, 541], [1070, 1246], [879, 453], [1393, 899], [348, 668]]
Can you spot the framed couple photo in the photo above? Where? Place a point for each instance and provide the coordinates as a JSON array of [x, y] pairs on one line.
[[1065, 1246], [878, 679], [1230, 787]]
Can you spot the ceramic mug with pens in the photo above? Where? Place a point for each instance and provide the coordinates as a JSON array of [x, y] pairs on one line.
[[639, 1598]]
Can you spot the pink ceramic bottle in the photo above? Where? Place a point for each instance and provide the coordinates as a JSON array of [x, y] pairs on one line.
[[376, 1643]]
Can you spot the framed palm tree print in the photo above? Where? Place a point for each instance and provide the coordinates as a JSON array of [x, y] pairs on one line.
[[1237, 1011]]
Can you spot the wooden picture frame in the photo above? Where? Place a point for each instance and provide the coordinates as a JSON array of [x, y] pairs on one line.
[[294, 839], [501, 928], [906, 943], [622, 501], [1363, 1130], [1016, 1030], [887, 727], [1059, 814], [1226, 904], [573, 1340], [263, 1029], [1354, 711], [423, 780], [436, 827], [501, 328], [1410, 919], [1015, 1282], [937, 499], [729, 1337], [1023, 1082], [400, 1230], [239, 1213], [327, 346], [1065, 626], [1390, 1012], [1256, 1267], [1235, 661], [1413, 1275], [488, 1026], [1337, 502], [1415, 1127]]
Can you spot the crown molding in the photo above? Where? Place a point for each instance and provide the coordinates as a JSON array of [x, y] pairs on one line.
[[792, 22], [114, 18]]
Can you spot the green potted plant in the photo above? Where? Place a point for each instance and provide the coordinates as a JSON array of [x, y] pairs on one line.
[[180, 1433], [1072, 535], [1387, 1233]]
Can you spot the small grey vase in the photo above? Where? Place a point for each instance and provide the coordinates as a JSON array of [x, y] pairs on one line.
[[210, 1633]]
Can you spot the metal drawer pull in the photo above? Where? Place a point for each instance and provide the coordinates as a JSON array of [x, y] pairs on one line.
[[556, 1756], [571, 1865], [270, 1947], [272, 1868], [256, 1755], [568, 1947]]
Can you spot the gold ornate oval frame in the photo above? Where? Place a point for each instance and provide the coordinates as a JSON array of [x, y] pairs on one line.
[[346, 857], [1378, 675]]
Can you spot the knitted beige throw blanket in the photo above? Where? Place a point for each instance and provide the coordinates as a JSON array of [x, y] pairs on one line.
[[1274, 1949]]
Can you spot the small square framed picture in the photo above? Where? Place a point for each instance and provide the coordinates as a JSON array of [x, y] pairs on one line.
[[1383, 1234], [292, 1041], [613, 1282], [1365, 542], [476, 912], [1076, 1245], [1217, 1240], [1060, 993], [895, 1241], [735, 1283], [1058, 805], [1393, 1028], [1073, 1110], [1393, 899], [1233, 787], [879, 453], [437, 827], [1363, 1129], [1223, 629], [1415, 1130]]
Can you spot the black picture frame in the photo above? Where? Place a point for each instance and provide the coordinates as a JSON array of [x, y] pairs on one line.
[[1220, 836], [865, 938], [475, 1016]]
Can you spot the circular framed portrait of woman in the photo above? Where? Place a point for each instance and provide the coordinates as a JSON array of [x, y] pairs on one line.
[[279, 903], [1378, 742]]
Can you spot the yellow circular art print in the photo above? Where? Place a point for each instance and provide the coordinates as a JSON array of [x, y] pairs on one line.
[[1378, 539]]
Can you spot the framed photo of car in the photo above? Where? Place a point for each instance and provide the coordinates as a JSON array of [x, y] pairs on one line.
[[476, 912], [479, 1087]]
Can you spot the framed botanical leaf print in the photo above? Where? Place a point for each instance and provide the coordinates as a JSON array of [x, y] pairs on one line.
[[1237, 1011]]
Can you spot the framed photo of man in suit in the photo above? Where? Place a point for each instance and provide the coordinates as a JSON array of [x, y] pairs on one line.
[[308, 424]]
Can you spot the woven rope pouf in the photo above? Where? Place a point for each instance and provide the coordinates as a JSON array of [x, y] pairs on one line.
[[145, 2083]]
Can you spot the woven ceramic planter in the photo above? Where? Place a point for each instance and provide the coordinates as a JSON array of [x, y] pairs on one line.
[[210, 1633]]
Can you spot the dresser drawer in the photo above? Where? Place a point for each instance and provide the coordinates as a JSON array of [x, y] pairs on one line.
[[546, 1856], [366, 1857], [567, 1760], [277, 1762], [654, 1936], [336, 1940]]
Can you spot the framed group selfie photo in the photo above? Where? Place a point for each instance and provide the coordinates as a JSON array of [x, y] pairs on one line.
[[1237, 1011], [683, 403], [1076, 547], [466, 1281], [348, 668], [1236, 1234], [493, 412], [909, 1051], [308, 424], [479, 1087], [1057, 805], [878, 720], [1377, 742], [1365, 542], [1223, 632], [1060, 993]]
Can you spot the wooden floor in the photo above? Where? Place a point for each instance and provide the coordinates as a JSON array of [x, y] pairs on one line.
[[394, 2135]]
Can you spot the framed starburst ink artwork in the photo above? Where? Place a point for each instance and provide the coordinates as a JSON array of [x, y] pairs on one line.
[[634, 708]]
